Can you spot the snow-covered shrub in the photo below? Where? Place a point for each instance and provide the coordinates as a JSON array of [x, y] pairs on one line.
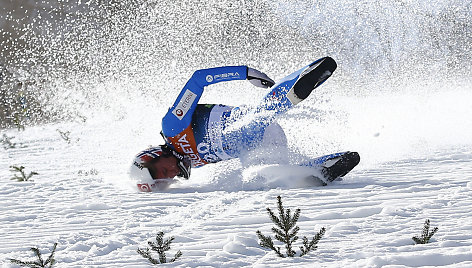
[[426, 235], [7, 143], [40, 263], [23, 176], [160, 247], [286, 232]]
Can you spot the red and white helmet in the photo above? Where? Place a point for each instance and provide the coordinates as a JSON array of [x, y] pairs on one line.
[[141, 173]]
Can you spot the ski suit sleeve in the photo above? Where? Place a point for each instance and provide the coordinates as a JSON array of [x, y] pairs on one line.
[[179, 116]]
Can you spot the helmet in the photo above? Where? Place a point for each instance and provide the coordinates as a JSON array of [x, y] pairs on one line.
[[141, 172]]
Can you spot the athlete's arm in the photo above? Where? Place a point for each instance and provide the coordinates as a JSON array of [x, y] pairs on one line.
[[180, 114]]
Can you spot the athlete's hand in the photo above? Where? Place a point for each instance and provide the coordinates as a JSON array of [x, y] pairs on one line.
[[258, 78]]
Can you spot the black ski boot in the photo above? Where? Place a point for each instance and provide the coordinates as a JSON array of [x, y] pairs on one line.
[[340, 166], [313, 76]]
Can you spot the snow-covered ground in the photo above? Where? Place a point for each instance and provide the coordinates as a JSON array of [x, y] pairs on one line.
[[416, 164]]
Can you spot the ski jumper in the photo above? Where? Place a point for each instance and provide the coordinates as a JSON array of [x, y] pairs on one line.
[[210, 133]]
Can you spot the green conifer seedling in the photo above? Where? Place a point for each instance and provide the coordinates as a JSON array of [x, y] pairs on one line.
[[7, 143], [426, 235], [286, 232], [18, 121], [161, 246], [23, 176], [312, 245], [65, 135], [40, 263]]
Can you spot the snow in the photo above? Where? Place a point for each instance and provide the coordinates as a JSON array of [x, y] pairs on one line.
[[83, 200]]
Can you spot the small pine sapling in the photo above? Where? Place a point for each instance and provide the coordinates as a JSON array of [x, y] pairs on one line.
[[312, 245], [160, 247], [40, 263], [286, 232], [7, 143], [426, 235], [88, 173], [64, 135], [23, 176], [18, 121]]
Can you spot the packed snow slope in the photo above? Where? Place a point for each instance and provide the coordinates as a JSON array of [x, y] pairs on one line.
[[401, 97], [83, 200]]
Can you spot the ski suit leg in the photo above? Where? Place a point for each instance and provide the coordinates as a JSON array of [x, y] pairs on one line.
[[245, 129], [272, 149]]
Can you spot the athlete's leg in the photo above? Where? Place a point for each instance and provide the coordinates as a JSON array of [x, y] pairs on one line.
[[244, 130], [272, 149]]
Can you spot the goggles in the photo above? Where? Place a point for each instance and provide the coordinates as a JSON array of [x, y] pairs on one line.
[[183, 161]]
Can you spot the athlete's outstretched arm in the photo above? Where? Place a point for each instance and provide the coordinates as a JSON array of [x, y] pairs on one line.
[[180, 114]]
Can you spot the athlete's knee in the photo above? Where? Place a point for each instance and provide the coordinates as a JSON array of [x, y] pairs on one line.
[[274, 135]]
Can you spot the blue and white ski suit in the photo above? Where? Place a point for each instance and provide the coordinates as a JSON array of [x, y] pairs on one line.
[[209, 133]]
